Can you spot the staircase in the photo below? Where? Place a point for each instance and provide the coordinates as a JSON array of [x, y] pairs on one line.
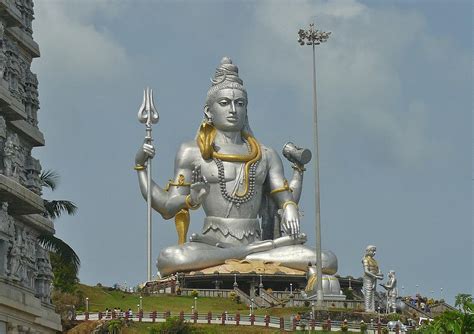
[[270, 299]]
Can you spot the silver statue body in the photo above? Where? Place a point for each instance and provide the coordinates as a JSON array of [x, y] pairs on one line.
[[392, 291], [372, 273], [236, 180]]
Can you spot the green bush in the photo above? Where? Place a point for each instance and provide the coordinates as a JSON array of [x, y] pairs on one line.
[[172, 325], [114, 326], [394, 317], [194, 293], [349, 293]]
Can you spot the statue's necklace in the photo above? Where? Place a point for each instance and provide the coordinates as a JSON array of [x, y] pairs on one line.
[[251, 162]]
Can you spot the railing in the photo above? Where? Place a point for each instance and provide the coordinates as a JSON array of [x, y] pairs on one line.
[[289, 324], [270, 298], [244, 298], [417, 310], [225, 293], [199, 318]]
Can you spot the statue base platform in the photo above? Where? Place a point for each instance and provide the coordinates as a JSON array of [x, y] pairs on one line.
[[249, 276], [245, 267]]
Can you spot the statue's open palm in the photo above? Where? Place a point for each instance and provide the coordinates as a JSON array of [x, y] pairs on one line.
[[291, 221], [199, 186]]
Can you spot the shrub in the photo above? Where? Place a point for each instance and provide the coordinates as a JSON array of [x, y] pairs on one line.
[[394, 317], [349, 293], [64, 303], [173, 325], [194, 293], [114, 326], [345, 326], [363, 327]]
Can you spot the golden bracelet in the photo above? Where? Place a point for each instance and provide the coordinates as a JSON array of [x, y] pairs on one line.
[[187, 201], [139, 167], [287, 203], [300, 169], [285, 187]]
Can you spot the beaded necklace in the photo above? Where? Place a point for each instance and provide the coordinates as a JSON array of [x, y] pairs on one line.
[[251, 162]]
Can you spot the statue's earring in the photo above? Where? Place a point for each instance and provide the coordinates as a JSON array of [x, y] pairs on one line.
[[207, 115]]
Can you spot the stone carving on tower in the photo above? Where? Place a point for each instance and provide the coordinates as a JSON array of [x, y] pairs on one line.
[[25, 268], [3, 57]]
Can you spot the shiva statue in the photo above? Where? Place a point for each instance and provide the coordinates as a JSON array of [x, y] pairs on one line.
[[392, 291], [239, 183], [372, 273]]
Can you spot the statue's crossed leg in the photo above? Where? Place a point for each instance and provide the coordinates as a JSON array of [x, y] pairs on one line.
[[205, 251]]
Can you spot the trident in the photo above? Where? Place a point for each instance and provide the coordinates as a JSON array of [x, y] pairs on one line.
[[148, 114]]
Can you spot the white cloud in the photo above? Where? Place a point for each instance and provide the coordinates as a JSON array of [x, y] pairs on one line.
[[71, 46], [359, 69]]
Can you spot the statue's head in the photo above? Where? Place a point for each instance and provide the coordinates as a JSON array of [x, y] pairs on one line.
[[226, 102], [370, 250]]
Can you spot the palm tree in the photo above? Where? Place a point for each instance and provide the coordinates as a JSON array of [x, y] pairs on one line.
[[54, 209]]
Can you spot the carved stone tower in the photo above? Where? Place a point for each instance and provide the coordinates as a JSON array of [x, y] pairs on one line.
[[25, 270]]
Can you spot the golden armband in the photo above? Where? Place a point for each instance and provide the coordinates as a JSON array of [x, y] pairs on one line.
[[139, 167], [180, 183], [285, 187], [187, 201]]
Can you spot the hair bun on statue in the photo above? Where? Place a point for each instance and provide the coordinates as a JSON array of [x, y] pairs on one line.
[[226, 71], [226, 76]]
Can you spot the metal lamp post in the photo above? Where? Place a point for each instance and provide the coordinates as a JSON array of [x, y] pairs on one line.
[[315, 37], [291, 295], [195, 304], [235, 281], [87, 304], [141, 303]]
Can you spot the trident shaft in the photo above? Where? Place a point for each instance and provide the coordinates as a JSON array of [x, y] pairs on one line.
[[148, 115]]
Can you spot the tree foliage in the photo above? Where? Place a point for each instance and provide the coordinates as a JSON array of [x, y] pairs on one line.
[[65, 275], [460, 321], [64, 260]]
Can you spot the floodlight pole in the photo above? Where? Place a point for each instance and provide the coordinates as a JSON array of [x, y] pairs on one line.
[[315, 37]]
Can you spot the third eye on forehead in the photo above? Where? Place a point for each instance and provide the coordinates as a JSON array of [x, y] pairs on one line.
[[230, 94]]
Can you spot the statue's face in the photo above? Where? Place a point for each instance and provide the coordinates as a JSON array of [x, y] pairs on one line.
[[371, 252], [228, 109]]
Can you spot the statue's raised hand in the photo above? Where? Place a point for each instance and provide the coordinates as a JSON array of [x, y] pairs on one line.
[[291, 220], [145, 152], [199, 187]]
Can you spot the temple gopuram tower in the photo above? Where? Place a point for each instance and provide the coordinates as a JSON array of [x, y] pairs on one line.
[[25, 269]]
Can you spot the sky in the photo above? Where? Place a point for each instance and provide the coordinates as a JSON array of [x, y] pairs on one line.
[[394, 86]]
